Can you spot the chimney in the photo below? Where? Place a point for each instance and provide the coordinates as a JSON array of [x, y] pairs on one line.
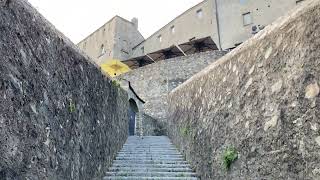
[[135, 22]]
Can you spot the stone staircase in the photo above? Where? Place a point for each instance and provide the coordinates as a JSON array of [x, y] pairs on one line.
[[150, 157]]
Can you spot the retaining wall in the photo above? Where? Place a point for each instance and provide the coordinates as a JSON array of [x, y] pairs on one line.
[[60, 117]]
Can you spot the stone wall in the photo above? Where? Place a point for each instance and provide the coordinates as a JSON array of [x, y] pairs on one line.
[[153, 82], [144, 125], [139, 104], [261, 99], [151, 127], [60, 117]]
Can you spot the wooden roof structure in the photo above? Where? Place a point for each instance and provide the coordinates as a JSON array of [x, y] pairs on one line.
[[188, 48]]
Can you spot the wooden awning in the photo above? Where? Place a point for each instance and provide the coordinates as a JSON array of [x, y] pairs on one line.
[[191, 47], [198, 45], [167, 53], [137, 62]]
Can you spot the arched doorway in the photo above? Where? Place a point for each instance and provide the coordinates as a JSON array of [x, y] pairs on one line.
[[133, 110]]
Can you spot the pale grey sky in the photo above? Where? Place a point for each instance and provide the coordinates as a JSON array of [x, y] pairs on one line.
[[78, 18]]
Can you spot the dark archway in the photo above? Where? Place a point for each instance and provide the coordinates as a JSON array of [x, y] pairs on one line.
[[133, 110]]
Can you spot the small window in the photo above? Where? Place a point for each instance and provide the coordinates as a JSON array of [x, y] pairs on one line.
[[247, 19], [160, 38], [200, 14], [124, 51], [142, 50], [172, 29], [102, 50], [298, 1], [193, 38]]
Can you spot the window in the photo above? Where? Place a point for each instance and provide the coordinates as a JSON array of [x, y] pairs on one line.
[[102, 50], [298, 1], [160, 38], [172, 29], [124, 51], [199, 13], [142, 50], [193, 38], [247, 19]]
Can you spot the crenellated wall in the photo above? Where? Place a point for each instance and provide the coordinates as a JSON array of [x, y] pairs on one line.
[[60, 117], [261, 99]]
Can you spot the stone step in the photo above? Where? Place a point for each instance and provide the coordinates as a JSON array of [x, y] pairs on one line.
[[151, 174], [146, 150], [165, 142], [152, 165], [154, 143], [150, 155], [149, 162], [131, 141], [150, 140], [151, 144], [150, 158], [149, 150], [149, 147], [147, 154], [150, 178], [149, 169], [141, 142]]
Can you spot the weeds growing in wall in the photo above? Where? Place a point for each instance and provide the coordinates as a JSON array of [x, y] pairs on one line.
[[72, 106], [229, 156], [116, 84], [185, 131]]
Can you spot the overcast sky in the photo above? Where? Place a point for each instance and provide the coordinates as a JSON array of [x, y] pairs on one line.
[[78, 18]]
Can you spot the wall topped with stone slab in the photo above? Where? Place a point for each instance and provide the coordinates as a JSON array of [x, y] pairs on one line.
[[60, 117], [261, 99]]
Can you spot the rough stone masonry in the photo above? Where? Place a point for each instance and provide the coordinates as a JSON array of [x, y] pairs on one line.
[[261, 99], [153, 82], [60, 117]]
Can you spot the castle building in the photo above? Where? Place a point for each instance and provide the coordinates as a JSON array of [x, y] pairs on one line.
[[114, 40], [211, 24]]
